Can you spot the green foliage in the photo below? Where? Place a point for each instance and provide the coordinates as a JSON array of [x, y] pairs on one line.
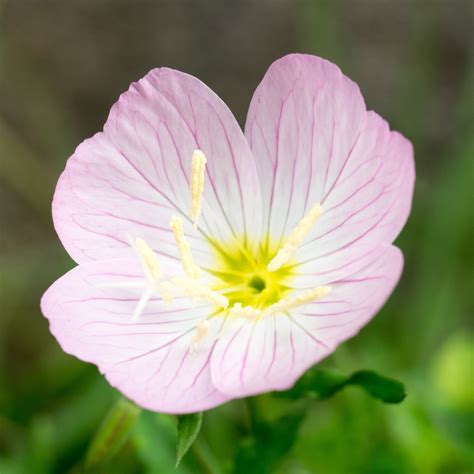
[[188, 429], [154, 441], [112, 434], [453, 372], [270, 442], [324, 383], [378, 386]]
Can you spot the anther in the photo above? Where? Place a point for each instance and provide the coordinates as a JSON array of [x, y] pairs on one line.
[[190, 268], [309, 296], [152, 269], [198, 167], [148, 259], [295, 238]]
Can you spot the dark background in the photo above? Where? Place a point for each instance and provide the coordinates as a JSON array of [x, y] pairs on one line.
[[64, 63]]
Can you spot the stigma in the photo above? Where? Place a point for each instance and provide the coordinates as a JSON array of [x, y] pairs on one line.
[[247, 312], [295, 238]]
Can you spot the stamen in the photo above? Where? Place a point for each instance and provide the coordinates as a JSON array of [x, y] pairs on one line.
[[145, 297], [149, 259], [294, 239], [190, 268], [298, 300], [153, 273], [198, 166], [200, 291], [201, 332]]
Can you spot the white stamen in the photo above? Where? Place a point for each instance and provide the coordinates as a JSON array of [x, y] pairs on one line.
[[295, 238], [200, 291], [152, 271], [144, 298], [303, 298], [198, 167], [190, 268], [201, 332], [149, 260]]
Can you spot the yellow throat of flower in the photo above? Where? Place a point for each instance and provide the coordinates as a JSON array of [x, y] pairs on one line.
[[244, 277]]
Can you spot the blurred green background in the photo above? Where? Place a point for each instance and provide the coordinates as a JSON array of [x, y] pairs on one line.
[[63, 64]]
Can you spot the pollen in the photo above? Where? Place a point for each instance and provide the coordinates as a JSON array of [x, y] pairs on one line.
[[198, 167], [189, 267], [149, 259], [295, 238]]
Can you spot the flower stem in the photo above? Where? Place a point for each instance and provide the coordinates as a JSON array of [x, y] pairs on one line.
[[204, 457], [253, 414]]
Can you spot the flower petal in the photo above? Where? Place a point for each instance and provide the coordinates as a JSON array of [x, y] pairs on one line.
[[370, 202], [353, 300], [271, 353], [315, 142], [149, 360], [132, 177]]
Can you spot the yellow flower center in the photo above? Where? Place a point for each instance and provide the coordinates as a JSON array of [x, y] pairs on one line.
[[244, 277]]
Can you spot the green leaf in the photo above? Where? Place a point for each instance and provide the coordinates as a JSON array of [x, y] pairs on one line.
[[112, 434], [263, 452], [319, 383], [154, 440], [188, 429], [324, 383], [378, 386]]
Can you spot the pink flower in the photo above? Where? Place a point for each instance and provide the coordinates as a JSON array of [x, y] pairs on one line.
[[215, 264]]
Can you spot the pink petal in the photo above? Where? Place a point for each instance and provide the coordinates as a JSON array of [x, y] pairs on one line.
[[315, 142], [132, 177], [148, 360], [311, 272], [271, 353]]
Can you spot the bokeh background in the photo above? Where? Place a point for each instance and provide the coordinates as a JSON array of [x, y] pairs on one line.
[[64, 63]]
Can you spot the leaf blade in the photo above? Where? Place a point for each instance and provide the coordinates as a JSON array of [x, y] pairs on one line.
[[112, 434], [188, 429], [265, 450], [324, 383], [378, 386]]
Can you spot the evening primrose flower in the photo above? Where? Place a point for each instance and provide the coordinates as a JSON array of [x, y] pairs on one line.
[[215, 264]]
